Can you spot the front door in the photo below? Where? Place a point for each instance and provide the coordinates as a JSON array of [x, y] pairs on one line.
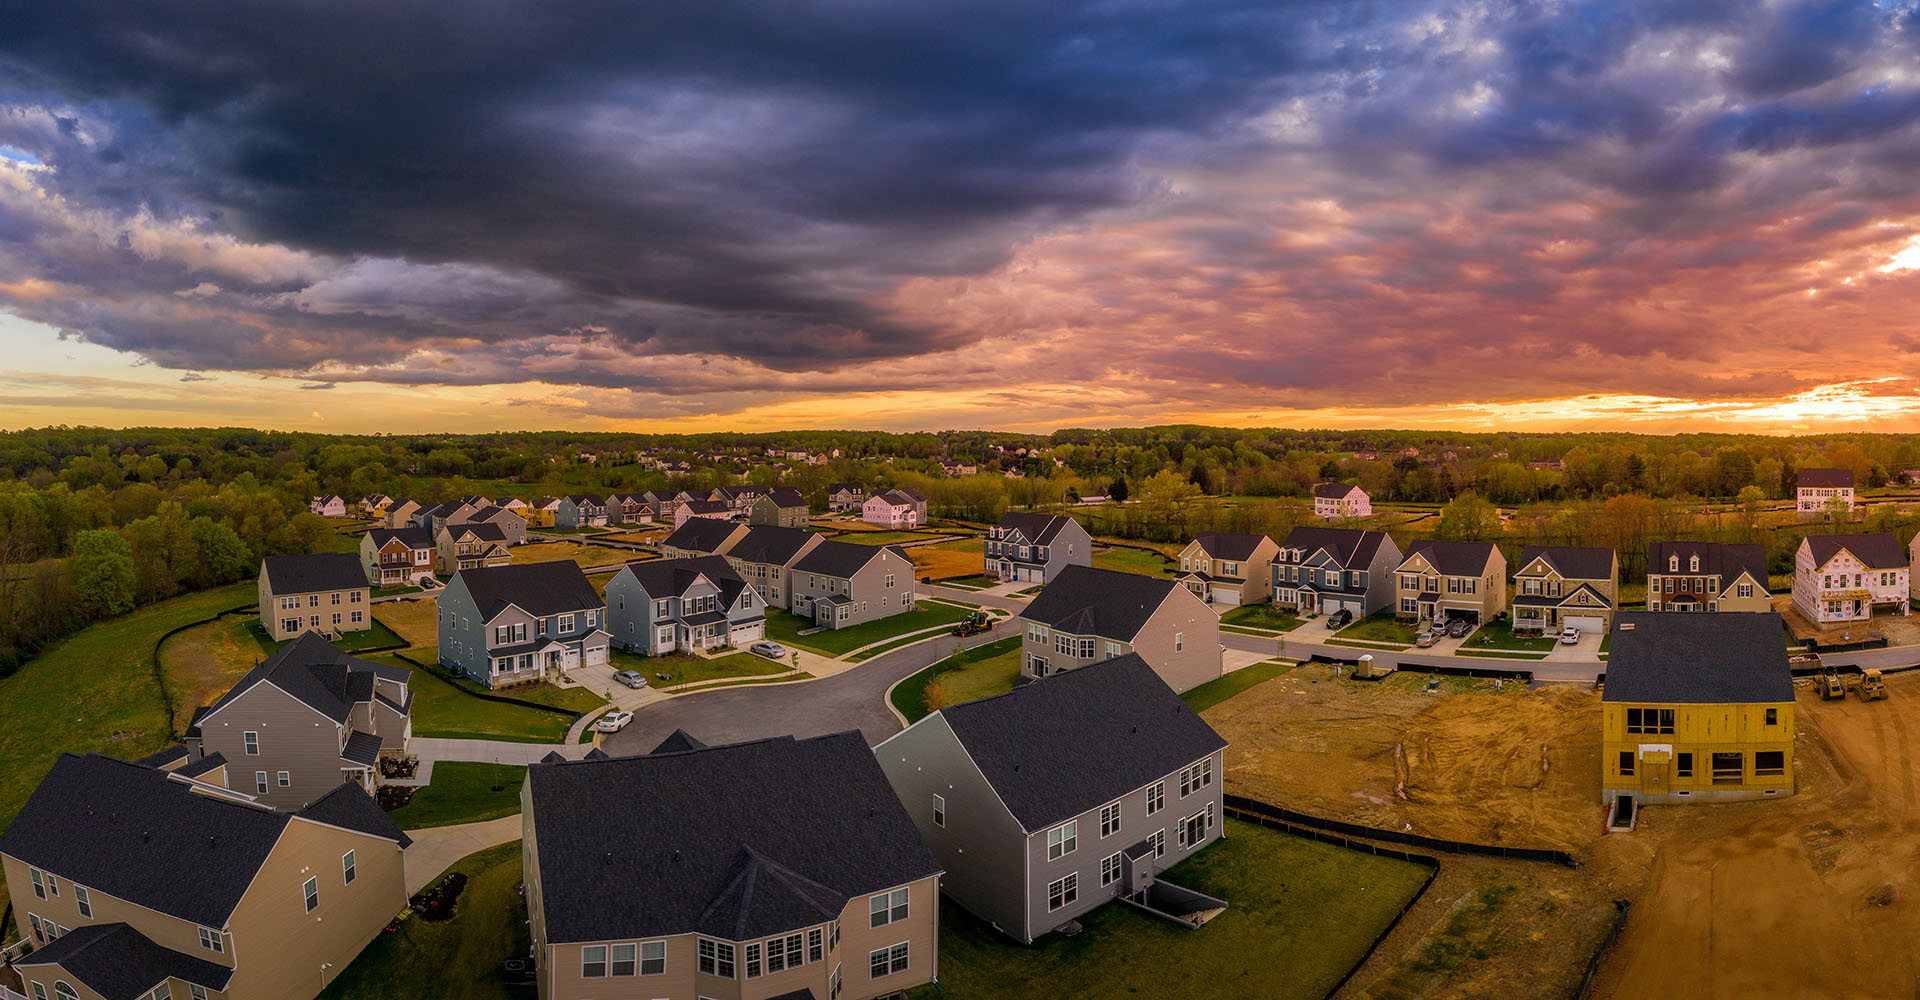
[[1654, 766]]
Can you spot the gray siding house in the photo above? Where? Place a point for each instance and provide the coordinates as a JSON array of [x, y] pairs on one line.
[[840, 584], [764, 555], [1036, 547], [1327, 569], [581, 512], [1089, 615], [511, 525], [846, 496], [783, 506], [514, 624], [1049, 801], [682, 605]]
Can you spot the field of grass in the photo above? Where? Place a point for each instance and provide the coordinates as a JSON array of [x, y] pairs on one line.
[[1380, 627], [1264, 616], [963, 556], [457, 959], [978, 581], [968, 675], [201, 663], [462, 792], [412, 621], [440, 709], [1500, 635], [1134, 561], [784, 627], [1302, 913], [1214, 692], [585, 555], [686, 668], [882, 537], [569, 531]]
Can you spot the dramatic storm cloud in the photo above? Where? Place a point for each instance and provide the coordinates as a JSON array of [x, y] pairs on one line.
[[962, 209]]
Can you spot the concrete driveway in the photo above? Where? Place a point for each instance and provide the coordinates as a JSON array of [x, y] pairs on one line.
[[599, 680]]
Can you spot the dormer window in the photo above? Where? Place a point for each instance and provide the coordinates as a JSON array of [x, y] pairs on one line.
[[1693, 564], [1673, 564]]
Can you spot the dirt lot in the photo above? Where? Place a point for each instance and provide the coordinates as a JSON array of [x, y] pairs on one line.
[[1900, 630], [947, 559]]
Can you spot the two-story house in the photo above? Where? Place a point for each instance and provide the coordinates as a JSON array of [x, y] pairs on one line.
[[1087, 615], [782, 506], [1225, 567], [542, 512], [740, 499], [397, 557], [1823, 492], [846, 496], [1698, 707], [328, 506], [673, 605], [1335, 569], [1056, 798], [305, 719], [470, 545], [440, 515], [665, 502], [513, 527], [628, 508], [325, 592], [375, 504], [1339, 502], [137, 882], [513, 624], [1845, 578], [399, 513], [1558, 586], [1035, 547], [1439, 581], [892, 508], [580, 511], [764, 555], [841, 584], [712, 510], [1707, 576], [701, 536], [729, 883]]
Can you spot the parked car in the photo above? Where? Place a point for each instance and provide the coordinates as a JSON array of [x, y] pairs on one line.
[[770, 650], [630, 678], [1569, 636], [1425, 639], [1458, 628], [1341, 618], [613, 721]]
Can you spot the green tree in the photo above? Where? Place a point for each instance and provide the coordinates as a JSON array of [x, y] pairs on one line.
[[1468, 517], [105, 580], [223, 556]]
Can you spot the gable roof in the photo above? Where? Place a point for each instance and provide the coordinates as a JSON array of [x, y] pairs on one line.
[[677, 741], [1332, 491], [485, 531], [892, 498], [1037, 529], [540, 589], [1103, 602], [841, 559], [1228, 545], [1081, 738], [350, 808], [1825, 479], [1349, 547], [1697, 658], [317, 673], [671, 577], [706, 506], [761, 864], [1574, 562], [701, 534], [787, 497], [411, 537], [120, 963], [1723, 559], [582, 500], [1453, 558], [846, 488], [313, 573], [767, 543], [1875, 551]]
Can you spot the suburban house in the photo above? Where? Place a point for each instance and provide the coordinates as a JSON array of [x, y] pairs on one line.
[[740, 498], [375, 503], [714, 510], [1035, 547], [628, 508], [1441, 580], [399, 513], [510, 503], [1087, 615], [892, 508], [1334, 569], [397, 557], [1823, 491], [682, 605], [764, 555], [304, 720], [1707, 576], [723, 885], [328, 506], [1224, 567], [701, 536], [325, 592], [846, 496], [474, 543], [782, 506], [580, 512], [840, 584], [1845, 578], [1056, 798], [1558, 586], [919, 501], [513, 527], [542, 512], [1698, 707], [1338, 501], [440, 515], [664, 502], [513, 624], [136, 882]]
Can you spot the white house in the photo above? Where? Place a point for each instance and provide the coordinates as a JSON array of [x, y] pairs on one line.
[[1821, 489], [1844, 578], [1335, 501], [891, 508], [328, 506]]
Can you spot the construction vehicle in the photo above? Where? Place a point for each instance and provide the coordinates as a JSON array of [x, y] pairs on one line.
[[973, 624], [1871, 687], [1829, 684]]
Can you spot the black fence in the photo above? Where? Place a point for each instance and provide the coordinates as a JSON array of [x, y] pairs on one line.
[[1507, 673], [1398, 837], [487, 695], [1878, 642], [1593, 961], [160, 672]]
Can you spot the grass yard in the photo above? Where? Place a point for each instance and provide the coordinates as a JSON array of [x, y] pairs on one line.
[[686, 668], [1264, 616], [955, 558], [979, 581], [968, 675], [1134, 561], [1216, 691], [569, 531], [440, 709], [784, 627], [462, 792], [1302, 913], [585, 555], [882, 537], [1381, 626], [1500, 635], [412, 621], [458, 959]]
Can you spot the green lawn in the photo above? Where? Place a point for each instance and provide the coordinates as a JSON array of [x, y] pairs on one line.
[[880, 537], [1135, 561], [391, 591], [784, 627], [1380, 627], [1216, 691], [567, 531], [968, 675], [457, 959], [1301, 914], [376, 636], [462, 792], [1499, 634], [686, 668], [440, 709], [979, 581], [1262, 616]]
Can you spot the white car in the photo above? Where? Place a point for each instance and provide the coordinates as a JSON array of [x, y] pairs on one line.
[[1569, 636], [613, 721]]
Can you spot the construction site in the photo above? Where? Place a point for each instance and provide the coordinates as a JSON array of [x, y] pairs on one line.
[[1725, 900]]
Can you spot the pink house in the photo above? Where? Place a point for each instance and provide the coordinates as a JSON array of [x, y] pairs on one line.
[[1335, 501], [891, 508]]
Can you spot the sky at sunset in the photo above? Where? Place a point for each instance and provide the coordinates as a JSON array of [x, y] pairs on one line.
[[368, 216]]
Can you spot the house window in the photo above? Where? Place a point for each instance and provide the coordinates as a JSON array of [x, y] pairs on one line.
[[1158, 841], [212, 940], [887, 908], [1063, 892], [1194, 778], [593, 962], [1773, 716], [312, 891], [39, 887], [347, 869], [753, 961], [939, 810], [285, 779], [357, 617], [1113, 650], [1729, 768], [61, 991], [815, 952], [253, 743], [1769, 763], [1110, 869], [1085, 651], [1036, 633], [260, 782], [1683, 765], [1063, 839], [1109, 819], [1650, 720], [653, 958], [1626, 763], [716, 958], [564, 623], [887, 961], [289, 624]]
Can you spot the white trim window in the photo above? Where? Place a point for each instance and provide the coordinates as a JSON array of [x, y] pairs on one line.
[[252, 741], [81, 900], [1063, 839], [212, 940], [1064, 891], [1158, 839], [887, 908], [593, 961], [260, 782], [653, 958], [620, 960], [196, 991], [1109, 819], [1156, 797], [284, 779], [715, 958], [39, 886], [1179, 641], [348, 871], [939, 810], [883, 962], [1194, 778], [1110, 869], [311, 890]]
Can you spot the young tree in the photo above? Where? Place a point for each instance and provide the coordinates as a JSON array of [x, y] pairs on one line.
[[105, 580]]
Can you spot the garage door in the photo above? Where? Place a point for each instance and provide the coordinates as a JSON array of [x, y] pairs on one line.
[[1585, 623], [749, 633], [1222, 595], [596, 655]]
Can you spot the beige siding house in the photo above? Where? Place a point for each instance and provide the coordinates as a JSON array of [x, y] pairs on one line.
[[1223, 567], [1565, 586], [397, 557], [782, 506], [1707, 576], [324, 593], [1442, 580], [841, 584], [471, 545], [1088, 615]]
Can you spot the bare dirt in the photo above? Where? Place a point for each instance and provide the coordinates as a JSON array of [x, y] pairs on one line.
[[202, 662]]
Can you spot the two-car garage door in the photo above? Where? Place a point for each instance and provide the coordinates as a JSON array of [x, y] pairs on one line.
[[1585, 623]]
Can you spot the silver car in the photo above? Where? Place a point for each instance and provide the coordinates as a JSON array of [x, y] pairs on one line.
[[630, 678], [770, 650]]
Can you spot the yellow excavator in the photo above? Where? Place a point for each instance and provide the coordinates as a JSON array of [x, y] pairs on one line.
[[1871, 687]]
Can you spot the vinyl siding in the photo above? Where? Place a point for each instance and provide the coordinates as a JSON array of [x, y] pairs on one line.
[[293, 738], [279, 948]]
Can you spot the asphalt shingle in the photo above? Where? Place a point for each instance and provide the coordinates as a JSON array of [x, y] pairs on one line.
[[312, 574], [1099, 602], [1697, 658]]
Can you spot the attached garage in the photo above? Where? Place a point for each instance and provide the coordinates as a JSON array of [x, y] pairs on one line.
[[1586, 623], [742, 634], [595, 655], [1224, 595]]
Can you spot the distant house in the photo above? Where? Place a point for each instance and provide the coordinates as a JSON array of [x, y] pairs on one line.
[[782, 506], [1844, 578], [1058, 797], [1339, 502], [701, 536], [628, 508], [513, 624], [1707, 576], [1088, 615], [580, 511], [399, 513], [1559, 586], [764, 555], [740, 498], [375, 503], [134, 881], [543, 512], [673, 605], [328, 506], [845, 496], [326, 593], [716, 510], [1439, 581], [1224, 567], [665, 502], [1822, 491], [891, 508], [731, 882], [513, 527], [1035, 547], [840, 584], [470, 545], [1332, 569], [266, 731], [397, 557]]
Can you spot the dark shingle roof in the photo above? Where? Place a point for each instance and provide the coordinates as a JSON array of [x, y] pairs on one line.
[[1037, 529], [846, 488], [1697, 658], [1350, 547], [1826, 479], [840, 559], [314, 573], [1716, 558], [161, 758], [705, 847], [766, 543], [540, 589], [196, 768], [316, 672], [1228, 545], [1080, 738], [897, 498], [705, 506], [1102, 602], [349, 807], [120, 963], [787, 496], [413, 538], [482, 530], [1453, 558], [1873, 551], [362, 748], [1576, 562], [677, 741], [700, 534], [671, 577]]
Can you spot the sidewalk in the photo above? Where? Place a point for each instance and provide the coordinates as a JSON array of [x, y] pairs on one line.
[[492, 751], [435, 849]]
